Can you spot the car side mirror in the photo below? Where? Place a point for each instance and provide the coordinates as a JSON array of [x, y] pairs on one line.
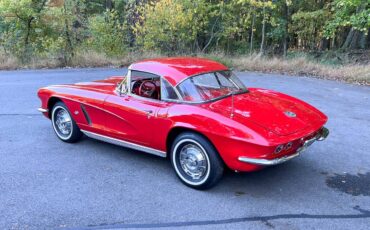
[[121, 88]]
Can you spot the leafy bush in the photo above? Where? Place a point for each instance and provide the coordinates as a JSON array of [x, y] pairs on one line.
[[165, 26], [107, 34]]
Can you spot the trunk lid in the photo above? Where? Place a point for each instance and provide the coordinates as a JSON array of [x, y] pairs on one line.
[[274, 111]]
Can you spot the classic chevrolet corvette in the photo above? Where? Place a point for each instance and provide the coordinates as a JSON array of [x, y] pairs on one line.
[[193, 110]]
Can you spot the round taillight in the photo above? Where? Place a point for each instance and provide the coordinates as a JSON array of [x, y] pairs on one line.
[[278, 149], [289, 145]]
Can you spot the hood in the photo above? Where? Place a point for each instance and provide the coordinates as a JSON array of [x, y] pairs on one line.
[[276, 112]]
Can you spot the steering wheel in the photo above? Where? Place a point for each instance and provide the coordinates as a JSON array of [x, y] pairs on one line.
[[147, 88]]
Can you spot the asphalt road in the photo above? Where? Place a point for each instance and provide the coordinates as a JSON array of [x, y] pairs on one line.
[[45, 183]]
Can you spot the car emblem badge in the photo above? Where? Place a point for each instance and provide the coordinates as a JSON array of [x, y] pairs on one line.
[[290, 114]]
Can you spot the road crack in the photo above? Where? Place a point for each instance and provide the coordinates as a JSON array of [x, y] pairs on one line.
[[264, 219], [20, 114]]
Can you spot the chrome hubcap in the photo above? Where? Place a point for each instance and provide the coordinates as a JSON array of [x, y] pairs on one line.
[[193, 161], [63, 122]]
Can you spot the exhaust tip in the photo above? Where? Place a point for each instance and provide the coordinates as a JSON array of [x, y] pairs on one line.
[[323, 134]]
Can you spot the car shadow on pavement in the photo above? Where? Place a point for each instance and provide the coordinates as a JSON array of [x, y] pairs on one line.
[[293, 176], [125, 154]]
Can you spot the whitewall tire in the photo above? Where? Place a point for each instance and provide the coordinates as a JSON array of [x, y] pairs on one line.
[[195, 161], [64, 126]]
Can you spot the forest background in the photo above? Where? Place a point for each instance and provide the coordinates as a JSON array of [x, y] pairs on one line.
[[321, 38]]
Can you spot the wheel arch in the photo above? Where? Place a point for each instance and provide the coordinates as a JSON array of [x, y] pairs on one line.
[[176, 131], [51, 102]]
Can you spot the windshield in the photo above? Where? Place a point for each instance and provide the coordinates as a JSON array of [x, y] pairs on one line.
[[210, 86]]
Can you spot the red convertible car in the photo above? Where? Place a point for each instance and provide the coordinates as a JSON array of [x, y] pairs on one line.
[[193, 110]]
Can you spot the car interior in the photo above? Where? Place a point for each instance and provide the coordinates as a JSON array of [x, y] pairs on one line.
[[149, 86], [145, 85]]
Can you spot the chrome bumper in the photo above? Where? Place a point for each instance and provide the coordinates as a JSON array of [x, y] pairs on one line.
[[322, 135], [266, 162], [43, 110]]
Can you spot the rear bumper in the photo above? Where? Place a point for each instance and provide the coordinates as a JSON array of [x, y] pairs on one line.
[[322, 135], [266, 162]]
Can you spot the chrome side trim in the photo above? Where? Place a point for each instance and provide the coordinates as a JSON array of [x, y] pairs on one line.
[[268, 162], [43, 110], [126, 144]]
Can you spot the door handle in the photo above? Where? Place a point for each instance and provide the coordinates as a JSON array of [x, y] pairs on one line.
[[148, 113]]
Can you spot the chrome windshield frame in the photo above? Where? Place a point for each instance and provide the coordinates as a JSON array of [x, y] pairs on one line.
[[175, 88], [216, 98]]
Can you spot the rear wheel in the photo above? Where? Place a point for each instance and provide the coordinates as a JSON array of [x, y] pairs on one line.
[[64, 125], [196, 161]]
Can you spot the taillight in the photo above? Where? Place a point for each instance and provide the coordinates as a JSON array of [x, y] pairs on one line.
[[278, 149]]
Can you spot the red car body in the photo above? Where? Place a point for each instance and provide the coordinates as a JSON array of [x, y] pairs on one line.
[[246, 129]]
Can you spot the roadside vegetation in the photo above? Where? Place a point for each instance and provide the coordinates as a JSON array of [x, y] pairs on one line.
[[327, 38]]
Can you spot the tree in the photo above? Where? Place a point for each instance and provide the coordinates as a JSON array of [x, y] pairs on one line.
[[22, 14], [352, 15], [309, 26], [60, 29], [107, 34], [165, 26]]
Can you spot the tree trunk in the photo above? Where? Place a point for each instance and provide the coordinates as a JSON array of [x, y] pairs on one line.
[[348, 39], [108, 5], [252, 32], [332, 42], [27, 39], [362, 41], [69, 51], [262, 48], [324, 44], [212, 36], [286, 35], [355, 40]]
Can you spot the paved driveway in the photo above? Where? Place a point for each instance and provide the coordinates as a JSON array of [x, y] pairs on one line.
[[45, 183]]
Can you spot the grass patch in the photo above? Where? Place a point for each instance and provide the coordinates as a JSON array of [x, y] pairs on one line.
[[298, 64], [295, 64], [301, 66], [8, 62]]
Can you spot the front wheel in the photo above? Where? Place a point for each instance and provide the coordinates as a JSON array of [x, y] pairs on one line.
[[64, 125], [196, 161]]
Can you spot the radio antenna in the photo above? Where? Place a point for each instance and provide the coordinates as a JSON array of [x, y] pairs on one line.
[[232, 105]]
